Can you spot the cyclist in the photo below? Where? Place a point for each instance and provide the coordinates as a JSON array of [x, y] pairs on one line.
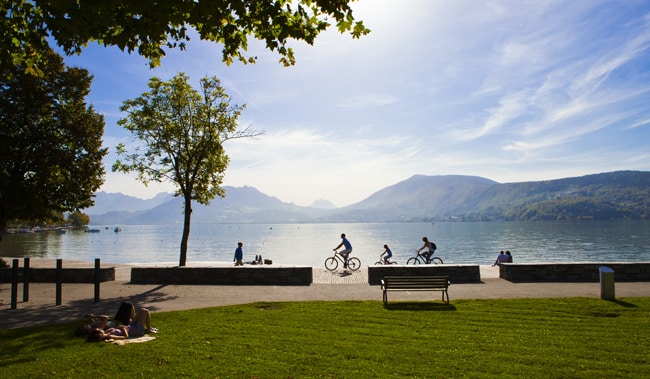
[[386, 254], [428, 247], [345, 252]]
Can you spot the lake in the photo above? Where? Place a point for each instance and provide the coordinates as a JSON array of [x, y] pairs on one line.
[[310, 244]]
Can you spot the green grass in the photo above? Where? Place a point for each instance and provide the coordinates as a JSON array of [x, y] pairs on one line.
[[549, 338]]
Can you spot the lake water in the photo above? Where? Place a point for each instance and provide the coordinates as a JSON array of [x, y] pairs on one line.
[[310, 244]]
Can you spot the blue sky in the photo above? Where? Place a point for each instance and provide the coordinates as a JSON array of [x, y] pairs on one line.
[[508, 90]]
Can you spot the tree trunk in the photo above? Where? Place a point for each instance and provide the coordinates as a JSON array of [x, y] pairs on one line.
[[187, 214]]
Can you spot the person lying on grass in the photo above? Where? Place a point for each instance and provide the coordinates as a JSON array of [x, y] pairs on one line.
[[96, 322], [140, 325]]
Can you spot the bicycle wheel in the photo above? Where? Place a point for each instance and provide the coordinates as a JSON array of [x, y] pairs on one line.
[[331, 263], [413, 261], [378, 263], [354, 263], [436, 261]]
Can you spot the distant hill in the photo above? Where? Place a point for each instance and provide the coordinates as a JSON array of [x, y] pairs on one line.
[[110, 202], [241, 205], [322, 204], [419, 198], [615, 195]]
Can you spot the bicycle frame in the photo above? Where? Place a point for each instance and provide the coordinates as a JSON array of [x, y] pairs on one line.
[[332, 262], [421, 259]]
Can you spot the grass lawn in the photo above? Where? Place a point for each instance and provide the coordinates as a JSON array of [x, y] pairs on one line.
[[523, 338]]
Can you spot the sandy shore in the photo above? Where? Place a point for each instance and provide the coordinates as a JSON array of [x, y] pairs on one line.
[[78, 299]]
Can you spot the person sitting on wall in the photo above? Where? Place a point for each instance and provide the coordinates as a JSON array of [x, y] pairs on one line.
[[501, 258]]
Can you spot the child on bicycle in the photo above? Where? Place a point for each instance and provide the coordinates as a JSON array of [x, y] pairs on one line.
[[386, 255]]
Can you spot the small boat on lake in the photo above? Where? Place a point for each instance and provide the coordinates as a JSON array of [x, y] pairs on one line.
[[92, 230]]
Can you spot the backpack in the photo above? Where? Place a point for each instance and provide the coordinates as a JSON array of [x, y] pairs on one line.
[[433, 246]]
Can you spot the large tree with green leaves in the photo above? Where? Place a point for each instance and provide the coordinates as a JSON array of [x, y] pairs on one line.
[[182, 131], [150, 26], [50, 143]]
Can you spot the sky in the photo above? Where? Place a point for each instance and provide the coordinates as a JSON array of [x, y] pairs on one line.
[[512, 91]]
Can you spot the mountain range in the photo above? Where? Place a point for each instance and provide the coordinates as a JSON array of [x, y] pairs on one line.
[[604, 196]]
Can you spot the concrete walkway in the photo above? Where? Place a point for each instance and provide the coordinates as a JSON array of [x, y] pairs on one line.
[[78, 299]]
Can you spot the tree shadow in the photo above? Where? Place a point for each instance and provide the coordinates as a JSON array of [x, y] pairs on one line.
[[74, 310]]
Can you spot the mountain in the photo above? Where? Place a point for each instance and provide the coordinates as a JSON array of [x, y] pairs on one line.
[[109, 202], [322, 204], [241, 205], [605, 196], [416, 199]]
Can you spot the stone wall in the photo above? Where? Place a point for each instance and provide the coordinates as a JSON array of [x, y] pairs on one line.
[[70, 275], [573, 272], [243, 275], [456, 273]]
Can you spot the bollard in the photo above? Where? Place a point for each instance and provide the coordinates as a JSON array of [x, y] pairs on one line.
[[25, 280], [607, 283], [14, 284], [59, 280], [97, 279]]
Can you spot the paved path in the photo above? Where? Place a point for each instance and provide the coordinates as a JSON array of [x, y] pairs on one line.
[[77, 299]]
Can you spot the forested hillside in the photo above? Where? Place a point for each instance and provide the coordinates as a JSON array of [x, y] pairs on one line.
[[615, 195]]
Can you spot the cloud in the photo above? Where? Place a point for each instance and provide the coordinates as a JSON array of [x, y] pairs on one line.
[[504, 89]]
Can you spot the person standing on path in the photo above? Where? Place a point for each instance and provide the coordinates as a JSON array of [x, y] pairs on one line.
[[345, 252], [239, 254]]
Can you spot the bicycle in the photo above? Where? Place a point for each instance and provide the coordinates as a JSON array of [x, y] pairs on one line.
[[332, 262], [421, 259], [382, 262]]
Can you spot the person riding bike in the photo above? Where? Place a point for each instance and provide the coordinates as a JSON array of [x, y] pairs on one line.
[[429, 248], [345, 252], [386, 255]]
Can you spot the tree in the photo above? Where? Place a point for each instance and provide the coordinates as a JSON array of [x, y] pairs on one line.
[[183, 131], [50, 139], [149, 26], [79, 219]]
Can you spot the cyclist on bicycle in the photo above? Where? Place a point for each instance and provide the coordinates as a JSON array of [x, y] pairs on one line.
[[345, 252], [429, 247], [386, 255]]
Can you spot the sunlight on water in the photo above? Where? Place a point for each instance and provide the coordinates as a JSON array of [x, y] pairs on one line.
[[310, 244]]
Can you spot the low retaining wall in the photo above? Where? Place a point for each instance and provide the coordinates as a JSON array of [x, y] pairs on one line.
[[70, 275], [243, 275], [573, 272], [456, 273]]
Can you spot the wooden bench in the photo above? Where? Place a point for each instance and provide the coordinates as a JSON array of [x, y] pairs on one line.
[[416, 283]]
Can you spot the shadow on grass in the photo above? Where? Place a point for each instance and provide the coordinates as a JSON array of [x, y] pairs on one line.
[[624, 303], [419, 306], [74, 310]]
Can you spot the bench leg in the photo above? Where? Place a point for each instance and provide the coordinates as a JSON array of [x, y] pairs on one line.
[[443, 296], [385, 297]]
